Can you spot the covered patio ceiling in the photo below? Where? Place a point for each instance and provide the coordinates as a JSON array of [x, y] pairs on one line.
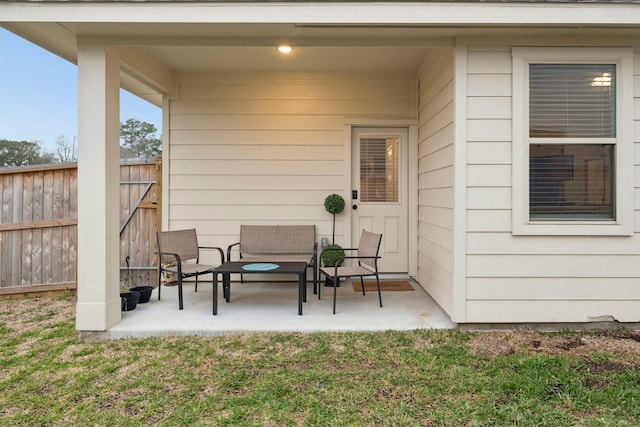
[[173, 48]]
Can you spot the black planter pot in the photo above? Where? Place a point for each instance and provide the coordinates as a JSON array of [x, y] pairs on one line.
[[145, 293], [129, 300], [328, 282]]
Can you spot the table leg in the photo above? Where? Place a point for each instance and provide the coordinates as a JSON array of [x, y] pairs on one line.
[[304, 299], [226, 286], [215, 294], [301, 291]]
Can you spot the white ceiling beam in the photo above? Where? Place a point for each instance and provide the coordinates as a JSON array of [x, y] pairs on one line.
[[141, 66]]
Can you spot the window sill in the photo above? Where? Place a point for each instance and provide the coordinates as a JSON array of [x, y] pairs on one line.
[[587, 228]]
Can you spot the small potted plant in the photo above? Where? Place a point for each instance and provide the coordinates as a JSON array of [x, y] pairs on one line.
[[330, 257]]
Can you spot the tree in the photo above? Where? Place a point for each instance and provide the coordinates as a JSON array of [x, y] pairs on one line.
[[23, 153], [138, 139], [66, 150]]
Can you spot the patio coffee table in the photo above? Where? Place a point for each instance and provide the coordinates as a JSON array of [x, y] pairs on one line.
[[247, 267]]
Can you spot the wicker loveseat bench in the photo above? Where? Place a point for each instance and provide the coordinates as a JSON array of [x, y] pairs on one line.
[[278, 243]]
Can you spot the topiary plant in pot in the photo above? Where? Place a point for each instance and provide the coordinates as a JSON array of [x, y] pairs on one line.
[[334, 204], [330, 256]]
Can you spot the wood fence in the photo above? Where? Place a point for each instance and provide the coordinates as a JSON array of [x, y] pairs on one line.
[[38, 226]]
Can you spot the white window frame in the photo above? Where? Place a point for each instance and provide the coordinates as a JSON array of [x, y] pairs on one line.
[[622, 225]]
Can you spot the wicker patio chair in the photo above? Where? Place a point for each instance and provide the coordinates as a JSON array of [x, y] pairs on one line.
[[179, 253], [367, 265]]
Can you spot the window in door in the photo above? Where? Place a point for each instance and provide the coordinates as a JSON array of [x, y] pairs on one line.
[[379, 170]]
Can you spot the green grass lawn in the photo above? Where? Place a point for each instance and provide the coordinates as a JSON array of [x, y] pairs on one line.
[[417, 378]]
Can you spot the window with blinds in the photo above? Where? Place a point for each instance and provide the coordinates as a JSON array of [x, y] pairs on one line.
[[571, 181], [379, 170], [572, 131], [572, 101]]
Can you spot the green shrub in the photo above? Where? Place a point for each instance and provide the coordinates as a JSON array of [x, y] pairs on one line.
[[331, 254], [334, 203]]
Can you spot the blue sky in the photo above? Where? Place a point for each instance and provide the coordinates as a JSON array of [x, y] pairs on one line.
[[39, 95]]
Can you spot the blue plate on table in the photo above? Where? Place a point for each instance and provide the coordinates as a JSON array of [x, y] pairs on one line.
[[260, 266]]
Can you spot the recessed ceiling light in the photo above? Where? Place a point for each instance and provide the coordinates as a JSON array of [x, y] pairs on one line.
[[284, 49]]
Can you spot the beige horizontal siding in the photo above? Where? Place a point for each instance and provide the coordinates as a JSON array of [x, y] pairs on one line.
[[257, 167], [489, 107], [489, 175], [541, 289], [436, 177], [436, 197], [436, 280], [505, 244], [291, 107], [492, 153], [487, 220], [438, 235], [306, 137], [234, 197], [291, 182], [353, 89], [260, 152], [436, 215], [267, 148], [224, 232], [489, 130], [489, 198], [531, 278], [553, 266], [490, 85], [256, 122], [544, 311]]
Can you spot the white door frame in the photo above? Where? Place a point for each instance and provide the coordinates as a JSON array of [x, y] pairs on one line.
[[412, 220]]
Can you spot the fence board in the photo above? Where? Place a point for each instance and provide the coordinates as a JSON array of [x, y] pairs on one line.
[[138, 220], [37, 242], [6, 187], [27, 235], [48, 247], [71, 239], [56, 232], [38, 225]]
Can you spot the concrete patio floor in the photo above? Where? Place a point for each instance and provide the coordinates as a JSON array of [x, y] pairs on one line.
[[273, 307]]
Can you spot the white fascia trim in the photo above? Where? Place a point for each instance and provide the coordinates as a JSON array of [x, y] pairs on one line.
[[441, 13]]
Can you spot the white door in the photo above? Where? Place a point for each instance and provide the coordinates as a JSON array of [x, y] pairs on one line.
[[379, 192]]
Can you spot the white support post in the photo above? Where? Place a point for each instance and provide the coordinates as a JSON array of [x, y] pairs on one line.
[[98, 306]]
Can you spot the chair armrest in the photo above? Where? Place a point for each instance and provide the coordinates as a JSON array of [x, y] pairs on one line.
[[361, 257], [229, 250], [217, 249], [374, 263], [337, 249]]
